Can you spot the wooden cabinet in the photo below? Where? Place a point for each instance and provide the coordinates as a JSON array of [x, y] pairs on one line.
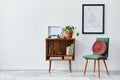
[[58, 49]]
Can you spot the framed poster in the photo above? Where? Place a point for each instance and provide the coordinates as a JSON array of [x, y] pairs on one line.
[[93, 18]]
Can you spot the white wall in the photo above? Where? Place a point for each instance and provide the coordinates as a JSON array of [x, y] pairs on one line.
[[23, 29]]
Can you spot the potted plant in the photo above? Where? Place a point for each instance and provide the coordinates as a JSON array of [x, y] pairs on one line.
[[69, 30], [51, 49]]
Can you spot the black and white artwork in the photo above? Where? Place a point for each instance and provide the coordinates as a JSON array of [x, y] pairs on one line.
[[93, 18]]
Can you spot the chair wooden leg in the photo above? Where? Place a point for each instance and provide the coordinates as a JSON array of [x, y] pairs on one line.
[[99, 68], [106, 67], [50, 65], [70, 66], [85, 66], [94, 65]]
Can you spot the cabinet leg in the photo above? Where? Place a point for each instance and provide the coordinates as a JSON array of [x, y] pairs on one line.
[[70, 66], [50, 65]]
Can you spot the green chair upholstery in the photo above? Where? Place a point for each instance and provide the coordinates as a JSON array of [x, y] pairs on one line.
[[94, 57], [98, 57]]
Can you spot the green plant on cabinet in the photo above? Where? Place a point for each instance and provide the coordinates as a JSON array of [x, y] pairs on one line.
[[51, 49], [68, 31]]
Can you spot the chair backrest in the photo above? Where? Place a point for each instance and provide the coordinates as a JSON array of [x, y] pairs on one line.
[[106, 40]]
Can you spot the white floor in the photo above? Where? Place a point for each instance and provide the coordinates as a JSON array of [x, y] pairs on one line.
[[114, 75]]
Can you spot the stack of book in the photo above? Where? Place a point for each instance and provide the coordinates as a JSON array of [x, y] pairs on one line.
[[69, 49]]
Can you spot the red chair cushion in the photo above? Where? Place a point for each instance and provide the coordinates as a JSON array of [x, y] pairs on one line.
[[99, 47]]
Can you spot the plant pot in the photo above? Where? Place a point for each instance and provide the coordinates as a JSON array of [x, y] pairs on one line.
[[69, 35], [52, 52]]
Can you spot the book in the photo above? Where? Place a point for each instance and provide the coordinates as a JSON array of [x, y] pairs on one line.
[[68, 50], [55, 57], [71, 49], [68, 57]]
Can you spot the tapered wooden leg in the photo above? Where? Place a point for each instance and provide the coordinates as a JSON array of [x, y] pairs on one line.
[[50, 65], [106, 67], [99, 68], [94, 65], [70, 66], [85, 66]]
